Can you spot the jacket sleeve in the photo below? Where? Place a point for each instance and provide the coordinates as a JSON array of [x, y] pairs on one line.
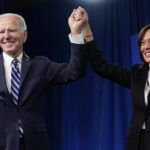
[[105, 69], [60, 73]]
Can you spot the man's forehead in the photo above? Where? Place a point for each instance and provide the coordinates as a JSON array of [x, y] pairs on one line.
[[8, 20]]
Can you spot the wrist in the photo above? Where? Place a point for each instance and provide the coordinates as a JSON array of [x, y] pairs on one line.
[[75, 32], [86, 31], [88, 38], [87, 35]]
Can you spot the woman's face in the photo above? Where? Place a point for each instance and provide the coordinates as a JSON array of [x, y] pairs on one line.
[[145, 46]]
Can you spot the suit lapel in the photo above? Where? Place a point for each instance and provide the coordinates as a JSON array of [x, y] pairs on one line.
[[24, 68], [142, 82], [3, 86]]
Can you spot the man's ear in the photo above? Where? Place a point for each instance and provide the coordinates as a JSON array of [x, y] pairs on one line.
[[25, 35]]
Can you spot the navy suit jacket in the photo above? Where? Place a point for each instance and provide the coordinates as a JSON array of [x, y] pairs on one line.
[[37, 74]]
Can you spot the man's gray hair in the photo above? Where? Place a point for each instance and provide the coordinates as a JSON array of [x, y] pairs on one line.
[[18, 16]]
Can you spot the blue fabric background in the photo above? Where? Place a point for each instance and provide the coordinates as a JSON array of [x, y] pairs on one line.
[[92, 113]]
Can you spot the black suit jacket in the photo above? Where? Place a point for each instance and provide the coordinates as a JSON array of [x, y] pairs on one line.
[[135, 79], [37, 74]]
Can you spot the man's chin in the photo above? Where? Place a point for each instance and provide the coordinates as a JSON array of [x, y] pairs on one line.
[[12, 52]]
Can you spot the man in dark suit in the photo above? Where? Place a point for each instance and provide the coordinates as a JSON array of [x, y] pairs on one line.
[[23, 81], [137, 79]]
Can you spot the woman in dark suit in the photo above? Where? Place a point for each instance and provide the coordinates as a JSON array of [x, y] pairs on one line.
[[137, 79]]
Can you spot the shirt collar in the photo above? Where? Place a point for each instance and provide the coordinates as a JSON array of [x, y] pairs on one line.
[[8, 59]]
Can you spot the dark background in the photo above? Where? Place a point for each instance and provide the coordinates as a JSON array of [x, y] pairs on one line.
[[92, 113]]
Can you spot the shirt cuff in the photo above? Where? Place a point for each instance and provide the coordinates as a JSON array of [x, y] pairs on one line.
[[76, 39]]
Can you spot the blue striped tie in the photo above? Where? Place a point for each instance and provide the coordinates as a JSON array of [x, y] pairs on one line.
[[15, 85], [15, 81]]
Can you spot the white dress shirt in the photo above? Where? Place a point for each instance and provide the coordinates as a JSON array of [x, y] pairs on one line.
[[76, 39], [7, 68], [146, 91], [147, 88]]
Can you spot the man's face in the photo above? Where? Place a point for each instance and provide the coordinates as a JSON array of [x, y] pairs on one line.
[[12, 35]]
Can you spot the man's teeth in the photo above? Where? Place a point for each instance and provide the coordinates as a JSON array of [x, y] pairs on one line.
[[147, 54], [9, 43]]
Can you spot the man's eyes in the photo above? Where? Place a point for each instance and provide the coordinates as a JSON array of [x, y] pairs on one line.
[[13, 30], [1, 32]]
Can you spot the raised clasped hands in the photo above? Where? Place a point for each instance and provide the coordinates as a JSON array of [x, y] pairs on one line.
[[77, 20]]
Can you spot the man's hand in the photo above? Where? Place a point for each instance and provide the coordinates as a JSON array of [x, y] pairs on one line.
[[76, 20], [81, 15]]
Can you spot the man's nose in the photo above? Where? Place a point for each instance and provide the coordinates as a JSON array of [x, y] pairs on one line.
[[7, 35]]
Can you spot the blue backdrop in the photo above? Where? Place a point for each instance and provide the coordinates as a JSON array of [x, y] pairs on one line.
[[92, 113]]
